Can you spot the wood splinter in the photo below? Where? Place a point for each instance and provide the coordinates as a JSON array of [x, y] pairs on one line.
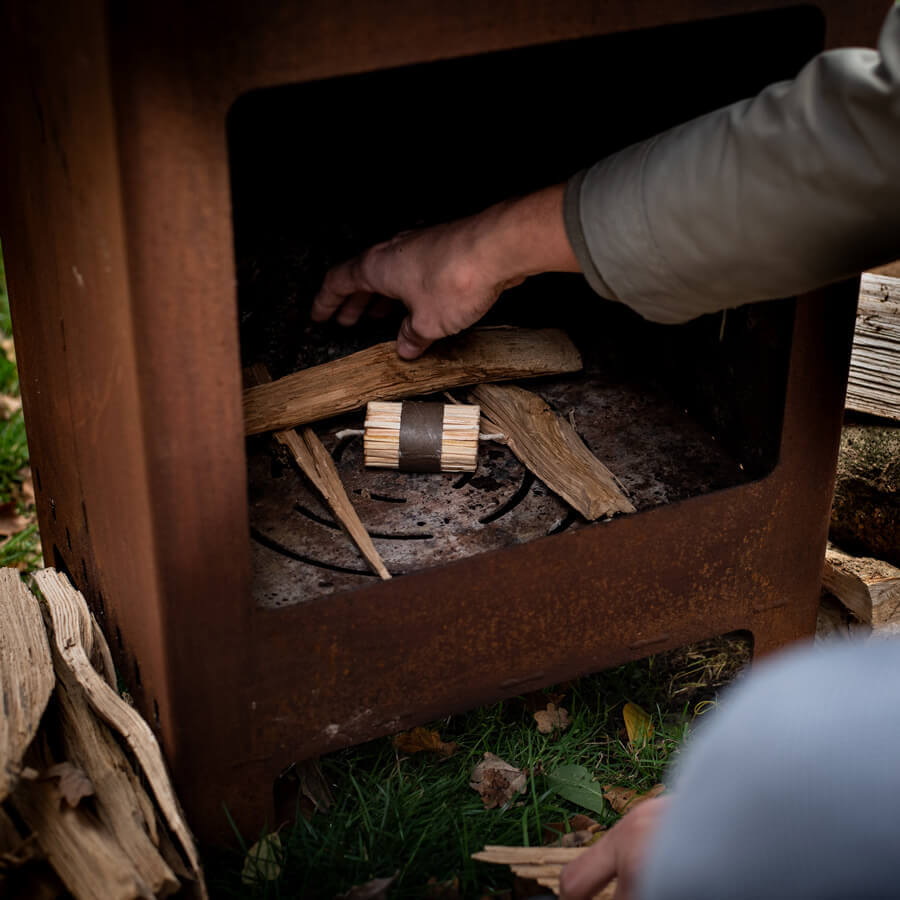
[[551, 448], [317, 465]]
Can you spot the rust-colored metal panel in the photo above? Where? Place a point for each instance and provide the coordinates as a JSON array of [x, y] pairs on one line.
[[116, 223]]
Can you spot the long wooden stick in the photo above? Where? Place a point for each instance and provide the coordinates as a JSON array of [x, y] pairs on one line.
[[551, 448], [487, 354], [317, 465]]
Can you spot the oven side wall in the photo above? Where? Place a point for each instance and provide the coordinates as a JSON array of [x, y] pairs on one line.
[[63, 239]]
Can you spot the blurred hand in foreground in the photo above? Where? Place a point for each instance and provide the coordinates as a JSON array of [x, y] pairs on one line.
[[449, 276], [619, 854]]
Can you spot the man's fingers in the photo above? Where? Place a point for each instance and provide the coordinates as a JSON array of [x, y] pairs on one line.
[[593, 870], [353, 308], [410, 344], [339, 283]]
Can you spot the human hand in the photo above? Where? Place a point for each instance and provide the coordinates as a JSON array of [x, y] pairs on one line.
[[449, 276], [619, 854]]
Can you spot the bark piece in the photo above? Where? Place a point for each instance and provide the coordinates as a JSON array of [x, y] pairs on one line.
[[865, 516], [318, 466], [120, 802], [551, 448], [874, 382], [85, 855], [71, 627], [26, 675], [485, 354], [869, 588]]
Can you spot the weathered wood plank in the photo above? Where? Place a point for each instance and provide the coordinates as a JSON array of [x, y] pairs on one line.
[[551, 448], [26, 675], [874, 382], [71, 620], [485, 354], [318, 466]]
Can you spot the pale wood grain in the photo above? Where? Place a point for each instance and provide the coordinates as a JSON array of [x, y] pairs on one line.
[[551, 448], [317, 465], [869, 588], [874, 381], [26, 675], [486, 354], [71, 622]]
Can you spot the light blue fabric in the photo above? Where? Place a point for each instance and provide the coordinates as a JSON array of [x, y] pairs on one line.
[[791, 790]]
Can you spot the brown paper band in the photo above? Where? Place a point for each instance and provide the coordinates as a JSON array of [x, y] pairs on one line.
[[421, 435]]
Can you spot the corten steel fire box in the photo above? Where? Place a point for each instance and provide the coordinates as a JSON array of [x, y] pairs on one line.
[[151, 152]]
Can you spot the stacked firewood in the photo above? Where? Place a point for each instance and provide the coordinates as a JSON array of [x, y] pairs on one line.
[[862, 568], [86, 805]]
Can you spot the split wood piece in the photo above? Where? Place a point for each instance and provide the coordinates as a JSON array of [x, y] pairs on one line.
[[551, 448], [120, 801], [26, 675], [70, 619], [542, 864], [318, 466], [874, 381], [869, 588], [85, 855], [485, 354]]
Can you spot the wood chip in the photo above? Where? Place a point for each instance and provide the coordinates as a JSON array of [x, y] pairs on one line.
[[552, 450], [869, 588], [482, 354], [26, 675], [316, 463]]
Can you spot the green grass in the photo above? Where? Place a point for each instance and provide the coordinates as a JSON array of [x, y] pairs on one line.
[[418, 816], [22, 549]]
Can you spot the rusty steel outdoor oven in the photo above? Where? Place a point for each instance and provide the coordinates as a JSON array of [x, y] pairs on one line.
[[177, 180]]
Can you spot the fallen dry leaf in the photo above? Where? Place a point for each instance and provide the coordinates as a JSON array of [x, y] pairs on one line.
[[9, 406], [376, 889], [556, 831], [552, 717], [497, 781], [637, 724], [263, 860], [73, 783], [622, 799], [10, 521], [9, 348], [442, 890], [420, 739]]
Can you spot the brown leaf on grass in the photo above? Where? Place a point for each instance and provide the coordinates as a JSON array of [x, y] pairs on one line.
[[9, 348], [551, 718], [497, 781], [622, 799], [9, 406], [554, 832], [442, 890], [420, 739], [10, 521], [376, 889], [73, 783], [638, 725]]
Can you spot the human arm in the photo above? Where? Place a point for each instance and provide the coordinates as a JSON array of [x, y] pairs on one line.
[[450, 275], [774, 195]]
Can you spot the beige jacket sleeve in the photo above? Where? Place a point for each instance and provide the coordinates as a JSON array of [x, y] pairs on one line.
[[789, 190]]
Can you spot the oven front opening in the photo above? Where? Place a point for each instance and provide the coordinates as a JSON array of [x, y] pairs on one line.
[[322, 170]]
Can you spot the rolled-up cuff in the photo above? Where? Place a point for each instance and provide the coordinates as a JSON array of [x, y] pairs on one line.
[[575, 234]]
